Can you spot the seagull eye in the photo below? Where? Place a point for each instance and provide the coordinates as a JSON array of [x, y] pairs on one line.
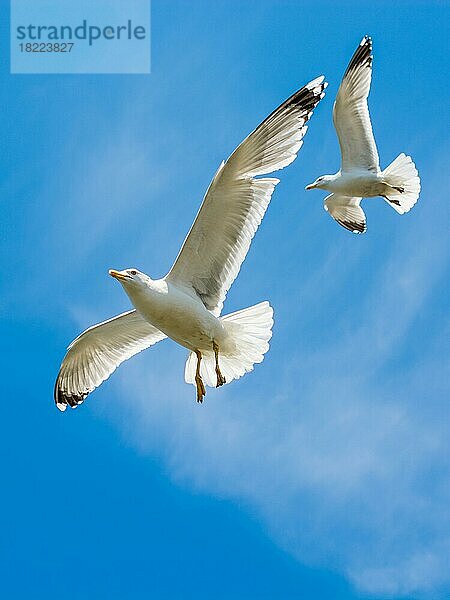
[[133, 272]]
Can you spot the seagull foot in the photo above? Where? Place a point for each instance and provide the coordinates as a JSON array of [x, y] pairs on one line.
[[201, 392], [399, 189], [220, 378]]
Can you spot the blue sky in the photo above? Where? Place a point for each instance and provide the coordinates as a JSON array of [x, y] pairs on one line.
[[324, 473]]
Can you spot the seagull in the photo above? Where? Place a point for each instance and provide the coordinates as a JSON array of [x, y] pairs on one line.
[[186, 304], [360, 175]]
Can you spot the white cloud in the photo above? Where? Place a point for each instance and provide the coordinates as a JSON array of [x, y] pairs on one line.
[[344, 473], [342, 457]]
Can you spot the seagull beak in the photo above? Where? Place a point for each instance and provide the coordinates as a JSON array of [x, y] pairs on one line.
[[311, 186], [117, 275]]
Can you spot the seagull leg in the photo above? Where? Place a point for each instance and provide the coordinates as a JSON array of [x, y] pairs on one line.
[[220, 378], [201, 392]]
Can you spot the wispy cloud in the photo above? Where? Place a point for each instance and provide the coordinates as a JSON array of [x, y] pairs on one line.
[[341, 455]]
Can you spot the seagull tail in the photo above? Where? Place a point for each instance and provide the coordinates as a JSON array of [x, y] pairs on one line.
[[402, 183], [250, 330]]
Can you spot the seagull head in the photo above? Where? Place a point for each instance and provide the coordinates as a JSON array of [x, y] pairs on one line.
[[129, 277], [321, 183]]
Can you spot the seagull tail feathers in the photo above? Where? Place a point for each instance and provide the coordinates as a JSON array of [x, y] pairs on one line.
[[250, 330], [402, 183]]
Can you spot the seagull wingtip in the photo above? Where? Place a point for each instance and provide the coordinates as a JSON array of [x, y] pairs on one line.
[[315, 82], [317, 86], [61, 406]]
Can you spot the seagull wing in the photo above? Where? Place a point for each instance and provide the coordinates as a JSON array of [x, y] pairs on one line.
[[236, 200], [347, 212], [351, 114], [97, 352]]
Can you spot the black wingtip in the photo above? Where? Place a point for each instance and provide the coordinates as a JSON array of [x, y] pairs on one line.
[[63, 400], [357, 228], [60, 403], [309, 95], [362, 56], [305, 99]]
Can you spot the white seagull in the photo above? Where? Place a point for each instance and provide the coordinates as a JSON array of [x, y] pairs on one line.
[[186, 304], [360, 175]]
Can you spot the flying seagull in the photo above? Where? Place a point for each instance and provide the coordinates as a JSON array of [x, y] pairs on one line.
[[360, 175], [186, 304]]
